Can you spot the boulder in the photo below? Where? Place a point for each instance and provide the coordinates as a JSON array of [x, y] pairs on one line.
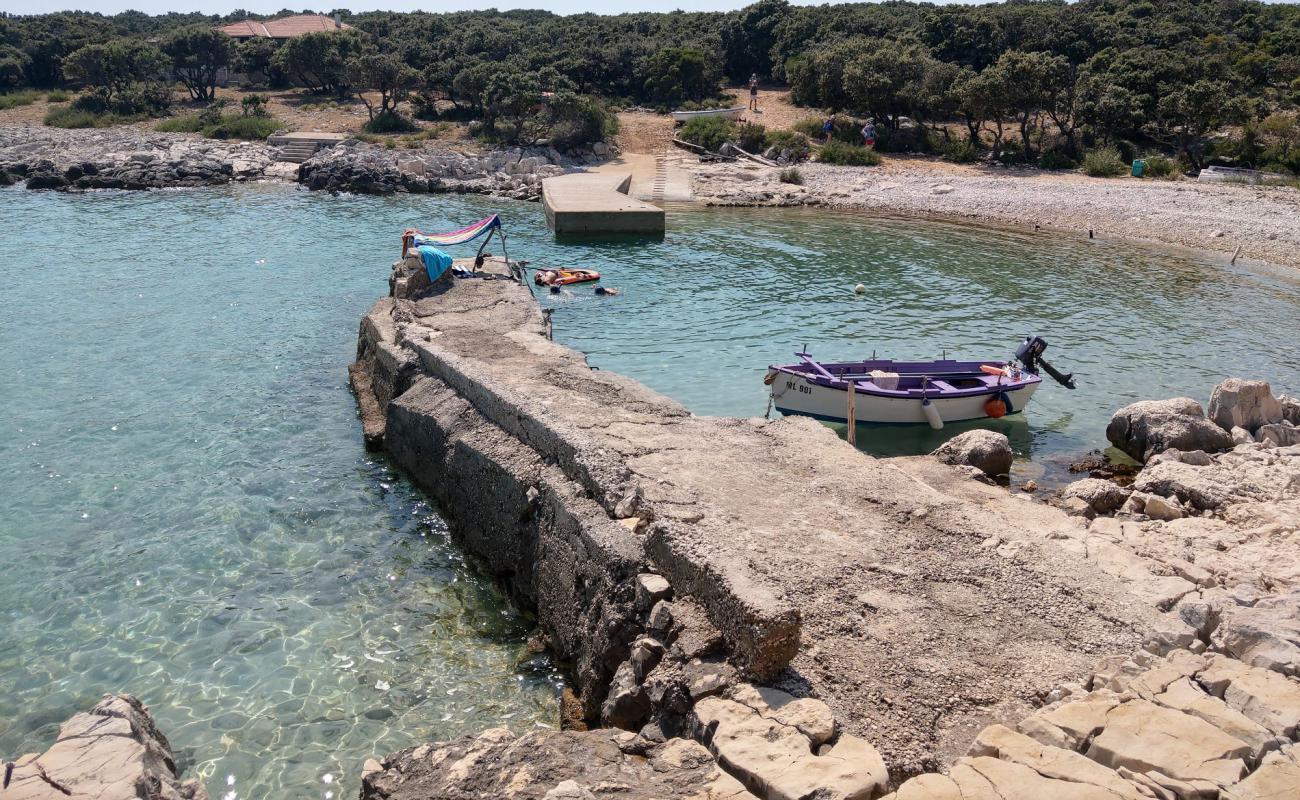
[[627, 705], [1054, 763], [1200, 487], [1264, 635], [1149, 427], [987, 451], [1279, 434], [650, 589], [1164, 509], [1290, 409], [552, 765], [1264, 696], [775, 760], [1143, 736], [1244, 404], [1102, 497], [112, 752], [1277, 776]]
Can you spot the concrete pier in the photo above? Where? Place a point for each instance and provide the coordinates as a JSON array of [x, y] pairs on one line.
[[597, 203], [702, 573], [871, 580]]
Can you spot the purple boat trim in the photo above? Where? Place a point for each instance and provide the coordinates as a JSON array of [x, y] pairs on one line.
[[916, 379]]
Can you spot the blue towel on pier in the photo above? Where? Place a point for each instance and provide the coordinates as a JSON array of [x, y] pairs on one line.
[[435, 261]]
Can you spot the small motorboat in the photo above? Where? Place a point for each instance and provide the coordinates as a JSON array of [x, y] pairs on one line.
[[904, 392], [564, 277], [725, 113]]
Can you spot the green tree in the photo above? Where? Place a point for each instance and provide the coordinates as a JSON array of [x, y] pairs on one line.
[[13, 67], [1110, 110], [1028, 85], [253, 57], [677, 74], [748, 38], [1186, 114], [884, 79], [319, 61], [383, 73], [198, 54], [49, 39], [110, 70], [513, 97]]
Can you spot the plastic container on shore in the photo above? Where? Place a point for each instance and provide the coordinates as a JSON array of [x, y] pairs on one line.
[[1139, 167]]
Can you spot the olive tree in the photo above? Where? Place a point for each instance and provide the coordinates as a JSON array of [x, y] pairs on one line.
[[198, 54], [383, 73]]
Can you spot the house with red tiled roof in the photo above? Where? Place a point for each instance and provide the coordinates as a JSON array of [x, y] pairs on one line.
[[282, 28]]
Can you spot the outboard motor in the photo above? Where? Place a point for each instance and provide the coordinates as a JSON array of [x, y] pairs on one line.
[[1030, 353]]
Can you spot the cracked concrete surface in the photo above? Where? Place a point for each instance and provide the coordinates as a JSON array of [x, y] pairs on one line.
[[921, 606]]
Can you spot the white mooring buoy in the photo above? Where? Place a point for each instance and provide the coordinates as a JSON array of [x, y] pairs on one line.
[[859, 289]]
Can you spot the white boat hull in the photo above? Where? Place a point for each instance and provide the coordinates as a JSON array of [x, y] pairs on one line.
[[725, 113], [793, 394]]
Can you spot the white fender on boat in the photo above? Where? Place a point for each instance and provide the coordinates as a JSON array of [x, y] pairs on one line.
[[931, 412]]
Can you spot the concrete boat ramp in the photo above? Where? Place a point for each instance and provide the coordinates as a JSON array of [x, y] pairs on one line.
[[585, 203], [677, 561]]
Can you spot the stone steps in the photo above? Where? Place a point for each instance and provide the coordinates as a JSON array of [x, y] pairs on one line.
[[297, 152]]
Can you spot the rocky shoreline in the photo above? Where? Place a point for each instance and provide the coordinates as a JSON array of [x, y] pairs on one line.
[[1191, 687], [1264, 222], [134, 159]]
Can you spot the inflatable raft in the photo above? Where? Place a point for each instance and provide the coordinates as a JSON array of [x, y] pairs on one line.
[[564, 277]]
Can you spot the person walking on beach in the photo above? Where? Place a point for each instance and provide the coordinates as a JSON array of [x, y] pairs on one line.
[[753, 93], [869, 134]]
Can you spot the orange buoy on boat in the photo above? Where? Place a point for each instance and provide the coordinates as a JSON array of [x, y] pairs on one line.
[[989, 369], [995, 408]]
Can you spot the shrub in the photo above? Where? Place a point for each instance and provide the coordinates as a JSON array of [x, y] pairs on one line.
[[1103, 162], [15, 99], [962, 152], [848, 155], [792, 175], [1056, 159], [577, 120], [240, 127], [70, 117], [912, 139], [424, 106], [1160, 167], [390, 122], [751, 137], [793, 141], [57, 96], [254, 105], [845, 129], [810, 127], [222, 126], [708, 132]]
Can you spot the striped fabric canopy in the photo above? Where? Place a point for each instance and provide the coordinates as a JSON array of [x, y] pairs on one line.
[[461, 236]]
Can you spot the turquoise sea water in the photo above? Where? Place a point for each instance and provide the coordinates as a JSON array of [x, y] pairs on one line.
[[187, 513]]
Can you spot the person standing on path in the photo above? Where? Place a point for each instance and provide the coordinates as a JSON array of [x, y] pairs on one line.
[[828, 128], [869, 134], [753, 93]]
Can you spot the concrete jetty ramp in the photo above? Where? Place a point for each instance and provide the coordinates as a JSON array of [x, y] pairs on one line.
[[597, 203], [919, 604]]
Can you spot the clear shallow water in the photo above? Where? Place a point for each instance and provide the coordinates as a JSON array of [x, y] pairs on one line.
[[733, 290], [187, 513]]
